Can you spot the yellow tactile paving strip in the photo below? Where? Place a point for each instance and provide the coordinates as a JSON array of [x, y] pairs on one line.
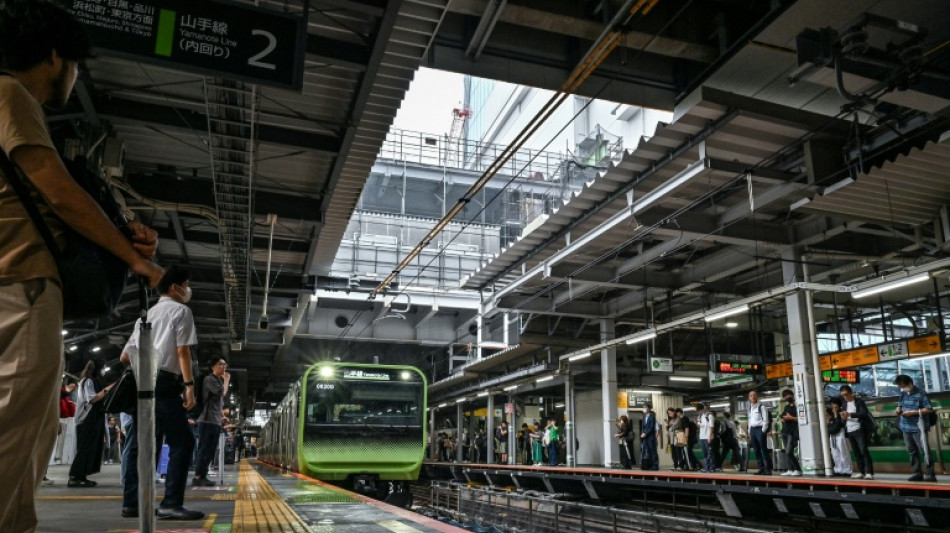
[[258, 508]]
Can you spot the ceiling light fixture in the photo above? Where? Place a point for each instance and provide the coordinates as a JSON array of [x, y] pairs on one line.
[[579, 356], [685, 378], [545, 378], [441, 405], [728, 312], [73, 348], [483, 393], [96, 349], [732, 324], [891, 285], [642, 337], [511, 387], [460, 400], [645, 391]]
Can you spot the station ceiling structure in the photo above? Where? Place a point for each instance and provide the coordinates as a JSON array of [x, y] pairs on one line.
[[803, 131]]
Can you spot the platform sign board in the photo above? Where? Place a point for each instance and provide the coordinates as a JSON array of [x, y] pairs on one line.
[[637, 400], [927, 345], [719, 379], [893, 351], [661, 364], [221, 39], [780, 370], [855, 357]]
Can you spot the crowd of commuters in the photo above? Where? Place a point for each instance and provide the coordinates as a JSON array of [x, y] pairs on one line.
[[722, 439]]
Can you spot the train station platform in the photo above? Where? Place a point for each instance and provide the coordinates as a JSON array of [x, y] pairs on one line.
[[821, 503], [254, 498]]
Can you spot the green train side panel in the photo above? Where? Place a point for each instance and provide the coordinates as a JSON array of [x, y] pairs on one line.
[[335, 458]]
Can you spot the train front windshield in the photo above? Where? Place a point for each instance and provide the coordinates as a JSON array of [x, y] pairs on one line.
[[355, 397]]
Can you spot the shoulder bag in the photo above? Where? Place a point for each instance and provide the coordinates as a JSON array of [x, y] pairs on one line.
[[122, 397], [93, 279]]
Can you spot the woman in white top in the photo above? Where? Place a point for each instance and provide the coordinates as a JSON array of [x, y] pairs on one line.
[[90, 426]]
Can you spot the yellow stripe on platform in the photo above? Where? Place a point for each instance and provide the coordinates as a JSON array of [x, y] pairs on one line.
[[397, 527], [258, 508]]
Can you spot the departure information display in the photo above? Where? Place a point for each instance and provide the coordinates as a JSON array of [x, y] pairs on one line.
[[726, 367], [841, 376]]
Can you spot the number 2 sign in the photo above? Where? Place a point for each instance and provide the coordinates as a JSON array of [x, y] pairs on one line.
[[209, 37]]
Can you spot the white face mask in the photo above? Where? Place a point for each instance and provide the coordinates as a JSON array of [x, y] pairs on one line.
[[905, 389], [186, 297], [645, 411]]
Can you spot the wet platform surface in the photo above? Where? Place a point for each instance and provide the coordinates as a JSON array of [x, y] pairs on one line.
[[254, 498]]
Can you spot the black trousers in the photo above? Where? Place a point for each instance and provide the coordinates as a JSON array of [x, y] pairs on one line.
[[761, 447], [208, 436], [859, 445]]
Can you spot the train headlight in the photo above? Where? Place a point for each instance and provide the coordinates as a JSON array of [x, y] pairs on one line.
[[405, 374], [326, 371]]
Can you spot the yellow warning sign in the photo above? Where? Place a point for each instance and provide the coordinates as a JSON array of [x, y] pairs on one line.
[[924, 345]]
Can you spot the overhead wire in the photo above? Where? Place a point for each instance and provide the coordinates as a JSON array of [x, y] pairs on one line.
[[598, 53]]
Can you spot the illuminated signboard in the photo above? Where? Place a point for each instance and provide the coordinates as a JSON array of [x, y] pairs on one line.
[[221, 39], [841, 376], [364, 374], [726, 367]]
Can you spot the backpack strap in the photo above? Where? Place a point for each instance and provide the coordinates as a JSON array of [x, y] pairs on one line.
[[10, 172]]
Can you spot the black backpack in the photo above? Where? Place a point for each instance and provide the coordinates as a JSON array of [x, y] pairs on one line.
[[199, 407], [93, 279]]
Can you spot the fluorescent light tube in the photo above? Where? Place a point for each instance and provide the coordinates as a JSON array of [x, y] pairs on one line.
[[441, 405], [483, 393], [685, 378], [728, 312], [891, 285], [460, 400], [579, 356], [641, 338], [511, 387], [644, 391], [718, 405], [545, 378]]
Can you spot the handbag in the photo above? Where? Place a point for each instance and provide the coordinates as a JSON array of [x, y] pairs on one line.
[[93, 279], [681, 439], [122, 397]]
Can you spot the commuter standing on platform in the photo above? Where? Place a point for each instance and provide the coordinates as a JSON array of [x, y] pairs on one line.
[[553, 442], [708, 437], [40, 47], [214, 389], [913, 410], [649, 460], [90, 430], [624, 437], [838, 438], [858, 425], [760, 424], [729, 442], [173, 334], [790, 433]]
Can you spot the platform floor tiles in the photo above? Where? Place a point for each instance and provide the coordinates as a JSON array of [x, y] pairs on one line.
[[255, 498]]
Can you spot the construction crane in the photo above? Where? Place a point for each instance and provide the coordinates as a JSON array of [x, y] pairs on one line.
[[453, 147]]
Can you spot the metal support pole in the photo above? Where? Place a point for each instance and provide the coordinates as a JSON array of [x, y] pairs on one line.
[[144, 363], [458, 432], [222, 439], [490, 429], [571, 459]]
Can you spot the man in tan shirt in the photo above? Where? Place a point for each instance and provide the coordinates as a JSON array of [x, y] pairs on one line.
[[40, 47]]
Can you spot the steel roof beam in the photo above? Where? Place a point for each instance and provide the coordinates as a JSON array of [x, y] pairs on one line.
[[120, 109], [165, 188]]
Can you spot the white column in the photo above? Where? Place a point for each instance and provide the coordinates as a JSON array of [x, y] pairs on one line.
[[814, 447], [608, 373]]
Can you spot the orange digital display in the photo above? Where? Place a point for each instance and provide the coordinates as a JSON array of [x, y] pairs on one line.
[[739, 368]]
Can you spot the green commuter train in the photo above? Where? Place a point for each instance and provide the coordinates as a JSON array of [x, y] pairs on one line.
[[361, 426]]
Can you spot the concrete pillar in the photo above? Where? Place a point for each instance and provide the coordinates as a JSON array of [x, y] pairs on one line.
[[814, 448], [570, 460], [608, 374], [490, 429], [460, 418]]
